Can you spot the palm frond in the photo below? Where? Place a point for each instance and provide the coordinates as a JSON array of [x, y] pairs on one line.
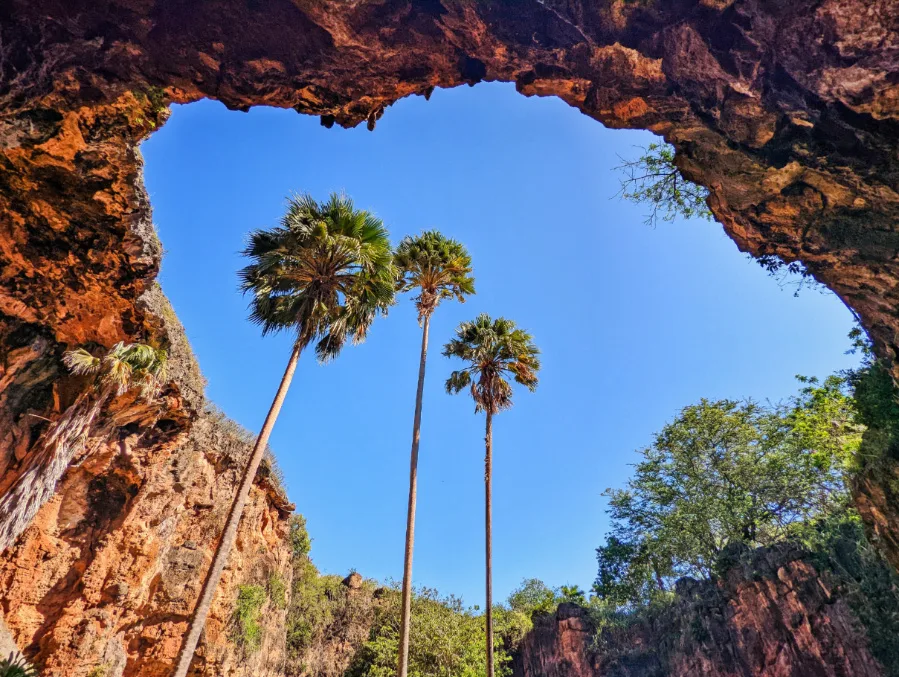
[[80, 362], [16, 666], [458, 381], [122, 367], [492, 349], [434, 265], [324, 273]]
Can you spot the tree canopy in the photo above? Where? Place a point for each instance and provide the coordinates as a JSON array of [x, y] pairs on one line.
[[435, 266], [726, 471], [325, 272], [494, 350]]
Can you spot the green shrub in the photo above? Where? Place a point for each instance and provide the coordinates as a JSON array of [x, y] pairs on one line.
[[447, 638], [300, 543], [247, 633], [277, 591], [533, 597]]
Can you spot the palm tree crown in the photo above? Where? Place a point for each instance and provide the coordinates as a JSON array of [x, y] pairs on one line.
[[494, 349], [118, 370], [438, 267], [326, 272], [123, 367]]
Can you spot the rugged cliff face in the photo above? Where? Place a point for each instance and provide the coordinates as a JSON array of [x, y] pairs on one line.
[[876, 496], [787, 112], [104, 579], [774, 616]]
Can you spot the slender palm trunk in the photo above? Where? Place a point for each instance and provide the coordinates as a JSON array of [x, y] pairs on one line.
[[405, 628], [488, 486], [229, 536]]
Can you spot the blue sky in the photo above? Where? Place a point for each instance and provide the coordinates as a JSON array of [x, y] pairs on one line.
[[634, 323]]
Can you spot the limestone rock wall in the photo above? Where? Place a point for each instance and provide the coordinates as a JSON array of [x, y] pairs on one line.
[[104, 579], [775, 616], [876, 496], [787, 111]]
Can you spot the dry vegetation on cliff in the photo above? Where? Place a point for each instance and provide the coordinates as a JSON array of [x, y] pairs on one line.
[[786, 112]]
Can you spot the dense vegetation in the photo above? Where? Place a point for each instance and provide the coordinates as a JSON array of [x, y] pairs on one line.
[[721, 472], [351, 628], [725, 473]]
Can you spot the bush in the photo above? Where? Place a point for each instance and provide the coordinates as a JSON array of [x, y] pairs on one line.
[[277, 591], [247, 633], [447, 638], [867, 582], [533, 597], [300, 543]]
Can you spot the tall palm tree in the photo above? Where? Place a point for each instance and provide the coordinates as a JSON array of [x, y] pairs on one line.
[[324, 274], [120, 369], [437, 268], [494, 350]]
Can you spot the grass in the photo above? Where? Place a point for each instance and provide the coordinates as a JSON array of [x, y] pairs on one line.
[[247, 628]]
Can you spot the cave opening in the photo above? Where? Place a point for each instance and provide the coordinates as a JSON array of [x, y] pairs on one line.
[[634, 322]]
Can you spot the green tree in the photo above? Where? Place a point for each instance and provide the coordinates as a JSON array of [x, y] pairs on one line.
[[324, 274], [124, 367], [493, 350], [446, 638], [726, 471], [532, 597], [437, 268], [654, 180]]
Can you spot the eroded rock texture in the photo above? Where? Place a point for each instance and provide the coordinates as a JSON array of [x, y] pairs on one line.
[[875, 493], [786, 111], [774, 617], [106, 576]]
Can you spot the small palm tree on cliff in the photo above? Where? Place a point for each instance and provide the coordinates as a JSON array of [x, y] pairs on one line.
[[324, 274], [16, 666], [122, 368], [437, 268], [494, 350]]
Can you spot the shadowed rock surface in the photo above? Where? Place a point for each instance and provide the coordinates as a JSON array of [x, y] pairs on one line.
[[787, 112], [773, 616]]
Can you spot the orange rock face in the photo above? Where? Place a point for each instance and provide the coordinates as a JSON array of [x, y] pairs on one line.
[[776, 617], [786, 111], [109, 571]]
